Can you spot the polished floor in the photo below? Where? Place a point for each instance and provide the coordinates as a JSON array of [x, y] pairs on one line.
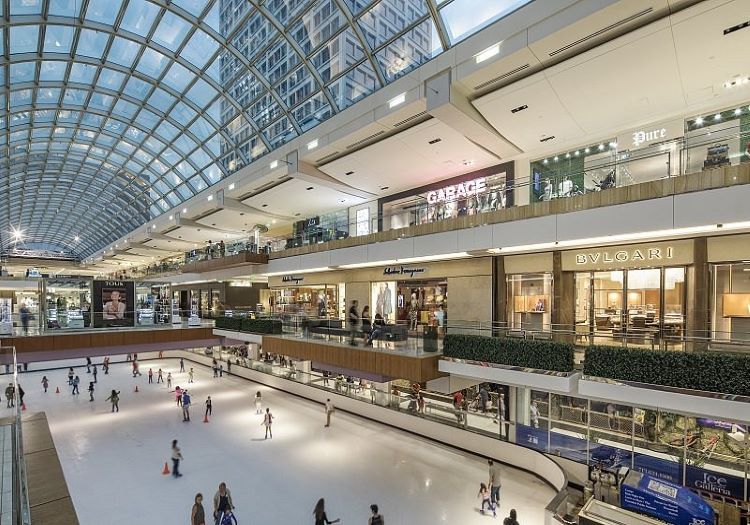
[[113, 462]]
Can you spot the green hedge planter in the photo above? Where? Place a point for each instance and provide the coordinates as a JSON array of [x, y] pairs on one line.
[[542, 355], [245, 324], [711, 372]]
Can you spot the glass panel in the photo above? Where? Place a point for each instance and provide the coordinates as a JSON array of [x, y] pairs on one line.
[[139, 17], [137, 88], [22, 72], [199, 49], [296, 87], [608, 304], [389, 17], [178, 77], [409, 50], [465, 17], [161, 100], [673, 322], [104, 11], [52, 71], [91, 43], [171, 31], [123, 52], [24, 39], [58, 39], [201, 93], [194, 7], [312, 112], [338, 55], [64, 7], [25, 7], [317, 25], [152, 63], [354, 85], [530, 301], [110, 79], [82, 73]]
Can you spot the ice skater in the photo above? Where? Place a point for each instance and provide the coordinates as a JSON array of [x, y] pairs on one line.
[[320, 514], [185, 406], [45, 383], [88, 365], [268, 421], [70, 376], [150, 376], [21, 393], [94, 371], [258, 403], [221, 370], [215, 366], [329, 412], [198, 514], [484, 495], [176, 458], [182, 365], [494, 482], [114, 398], [76, 381], [136, 368], [159, 377], [191, 374], [169, 379], [209, 407], [178, 395], [91, 391], [222, 502]]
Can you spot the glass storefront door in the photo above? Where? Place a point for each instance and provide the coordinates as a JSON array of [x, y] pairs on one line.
[[642, 307]]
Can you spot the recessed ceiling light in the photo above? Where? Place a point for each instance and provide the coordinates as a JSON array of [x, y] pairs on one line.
[[487, 53], [309, 188], [717, 116], [601, 147], [231, 186], [434, 141], [587, 150], [567, 155], [273, 221], [556, 158], [699, 121], [738, 111], [153, 226], [296, 214], [397, 100], [312, 144], [545, 161], [576, 153], [210, 197], [274, 164]]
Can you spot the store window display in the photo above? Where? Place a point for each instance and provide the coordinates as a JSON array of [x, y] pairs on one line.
[[730, 302], [530, 301], [422, 303], [717, 139], [311, 301], [68, 303]]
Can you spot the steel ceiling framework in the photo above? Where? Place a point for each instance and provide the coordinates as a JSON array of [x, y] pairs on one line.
[[116, 111]]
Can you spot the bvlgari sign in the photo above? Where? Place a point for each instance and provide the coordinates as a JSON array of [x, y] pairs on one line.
[[458, 191], [647, 255]]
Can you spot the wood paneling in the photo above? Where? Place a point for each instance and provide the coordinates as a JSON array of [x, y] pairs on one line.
[[372, 361]]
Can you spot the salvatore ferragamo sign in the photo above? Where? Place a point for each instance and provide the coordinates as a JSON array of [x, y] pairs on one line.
[[629, 256]]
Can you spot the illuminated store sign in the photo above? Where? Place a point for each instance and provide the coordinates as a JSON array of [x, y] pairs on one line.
[[458, 191], [638, 254], [641, 136]]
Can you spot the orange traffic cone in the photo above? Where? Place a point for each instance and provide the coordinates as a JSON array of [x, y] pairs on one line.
[[205, 418], [166, 469], [57, 390], [136, 389]]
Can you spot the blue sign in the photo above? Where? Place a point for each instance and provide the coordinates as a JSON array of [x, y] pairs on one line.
[[665, 501], [658, 468], [718, 483]]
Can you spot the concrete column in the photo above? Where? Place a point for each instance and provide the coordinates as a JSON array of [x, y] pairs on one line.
[[698, 296], [499, 292]]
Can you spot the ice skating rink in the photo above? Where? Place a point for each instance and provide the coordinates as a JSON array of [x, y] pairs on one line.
[[113, 462]]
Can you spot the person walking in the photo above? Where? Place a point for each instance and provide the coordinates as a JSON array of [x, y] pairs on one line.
[[319, 513], [377, 517], [21, 393], [268, 421], [353, 322], [221, 370], [182, 365], [91, 391], [45, 383], [209, 407], [185, 406], [169, 379], [150, 376], [190, 375], [215, 366], [159, 377], [329, 411], [258, 403], [494, 483], [76, 381], [178, 395], [94, 371], [10, 394], [511, 519], [70, 376], [114, 397], [88, 365], [222, 502], [229, 366], [197, 514], [176, 458]]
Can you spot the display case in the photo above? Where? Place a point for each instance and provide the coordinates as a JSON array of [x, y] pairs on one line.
[[75, 319], [145, 316]]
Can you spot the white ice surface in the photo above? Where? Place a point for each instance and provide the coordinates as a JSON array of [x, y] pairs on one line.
[[113, 462]]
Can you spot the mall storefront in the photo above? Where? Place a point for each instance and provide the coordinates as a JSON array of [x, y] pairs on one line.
[[414, 295]]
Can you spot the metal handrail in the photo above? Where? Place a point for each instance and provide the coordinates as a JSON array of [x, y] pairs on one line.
[[21, 506]]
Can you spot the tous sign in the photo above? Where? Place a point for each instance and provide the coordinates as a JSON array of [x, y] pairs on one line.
[[646, 254], [458, 191], [641, 136]]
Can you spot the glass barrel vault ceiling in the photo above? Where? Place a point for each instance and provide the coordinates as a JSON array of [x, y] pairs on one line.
[[118, 110]]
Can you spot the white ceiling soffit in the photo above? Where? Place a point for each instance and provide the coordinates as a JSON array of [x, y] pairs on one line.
[[408, 160], [660, 70], [192, 234], [234, 220], [294, 199]]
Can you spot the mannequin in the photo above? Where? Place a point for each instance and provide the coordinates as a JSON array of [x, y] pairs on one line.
[[413, 312]]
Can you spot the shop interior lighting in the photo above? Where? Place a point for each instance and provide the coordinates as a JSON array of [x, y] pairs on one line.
[[309, 270], [576, 153], [171, 217], [699, 121], [613, 144], [567, 155], [717, 116], [587, 150], [556, 158], [546, 161], [601, 147], [274, 164], [738, 111], [397, 100], [184, 210], [488, 53], [312, 144]]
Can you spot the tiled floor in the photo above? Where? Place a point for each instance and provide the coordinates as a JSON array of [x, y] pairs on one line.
[[113, 462]]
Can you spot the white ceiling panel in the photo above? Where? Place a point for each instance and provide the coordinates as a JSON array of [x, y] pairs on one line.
[[293, 198], [408, 160], [201, 235], [235, 220]]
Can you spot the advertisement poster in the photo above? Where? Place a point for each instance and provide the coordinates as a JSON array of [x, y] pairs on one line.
[[114, 303], [383, 298], [665, 501], [718, 483]]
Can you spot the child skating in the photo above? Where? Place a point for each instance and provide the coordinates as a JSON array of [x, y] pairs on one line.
[[114, 397], [159, 377], [169, 379], [268, 421], [484, 494], [91, 391], [258, 403], [178, 395], [209, 407], [45, 383], [191, 374]]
